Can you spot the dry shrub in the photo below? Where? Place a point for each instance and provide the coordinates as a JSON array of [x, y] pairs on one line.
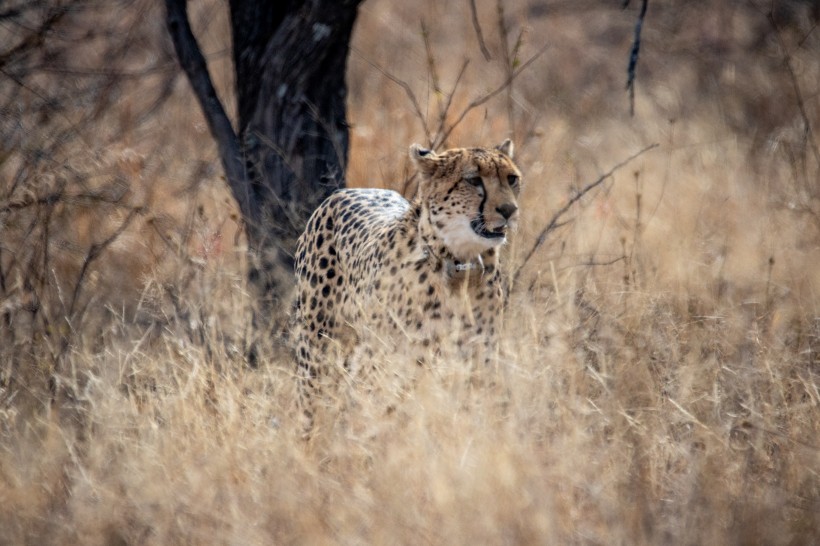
[[659, 374]]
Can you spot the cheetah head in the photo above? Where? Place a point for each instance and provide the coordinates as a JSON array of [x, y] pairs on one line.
[[470, 195]]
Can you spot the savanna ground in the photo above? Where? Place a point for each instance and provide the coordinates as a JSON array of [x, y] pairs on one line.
[[661, 373]]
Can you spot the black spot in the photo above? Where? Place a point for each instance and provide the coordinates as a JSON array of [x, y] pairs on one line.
[[320, 240], [313, 303], [330, 273], [329, 223], [423, 277], [323, 262], [326, 290]]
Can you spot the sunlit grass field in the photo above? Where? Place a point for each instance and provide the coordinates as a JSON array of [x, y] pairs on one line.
[[659, 378]]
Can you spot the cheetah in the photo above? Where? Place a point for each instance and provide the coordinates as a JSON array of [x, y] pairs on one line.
[[376, 269]]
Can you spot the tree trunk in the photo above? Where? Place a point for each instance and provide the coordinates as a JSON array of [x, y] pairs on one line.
[[290, 60], [290, 148]]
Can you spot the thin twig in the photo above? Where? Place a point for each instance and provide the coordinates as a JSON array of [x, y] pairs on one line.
[[407, 90], [446, 109], [94, 253], [554, 222], [431, 59], [508, 64], [478, 33]]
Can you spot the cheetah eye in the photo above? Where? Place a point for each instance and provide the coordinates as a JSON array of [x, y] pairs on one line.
[[474, 180], [512, 180]]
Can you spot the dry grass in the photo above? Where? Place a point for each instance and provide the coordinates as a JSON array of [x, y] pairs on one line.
[[661, 374]]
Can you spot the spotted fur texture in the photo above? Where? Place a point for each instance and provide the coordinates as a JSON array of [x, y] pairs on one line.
[[375, 269]]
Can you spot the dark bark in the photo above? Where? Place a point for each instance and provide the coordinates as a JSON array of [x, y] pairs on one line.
[[290, 147], [291, 59], [193, 63]]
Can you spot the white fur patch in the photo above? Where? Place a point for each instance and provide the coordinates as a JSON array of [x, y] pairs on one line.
[[463, 242]]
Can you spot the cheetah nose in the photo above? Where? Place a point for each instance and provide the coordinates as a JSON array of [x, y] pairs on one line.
[[506, 210]]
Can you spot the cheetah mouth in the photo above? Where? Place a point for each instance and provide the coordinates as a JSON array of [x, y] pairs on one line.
[[481, 230]]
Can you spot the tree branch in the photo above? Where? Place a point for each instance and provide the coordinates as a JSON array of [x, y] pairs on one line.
[[478, 33], [196, 69], [633, 55], [553, 223]]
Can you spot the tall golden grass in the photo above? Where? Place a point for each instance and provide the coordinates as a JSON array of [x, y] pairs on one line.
[[660, 372]]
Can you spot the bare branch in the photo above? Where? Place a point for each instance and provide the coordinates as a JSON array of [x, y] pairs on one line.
[[478, 33], [808, 133], [35, 38], [105, 196], [554, 222], [94, 253], [431, 59], [193, 63], [484, 98], [446, 109], [407, 90]]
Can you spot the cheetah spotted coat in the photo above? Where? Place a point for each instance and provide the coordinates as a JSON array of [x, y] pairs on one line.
[[376, 270]]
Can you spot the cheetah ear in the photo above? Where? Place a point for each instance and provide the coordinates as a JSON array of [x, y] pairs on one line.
[[506, 148], [425, 160]]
